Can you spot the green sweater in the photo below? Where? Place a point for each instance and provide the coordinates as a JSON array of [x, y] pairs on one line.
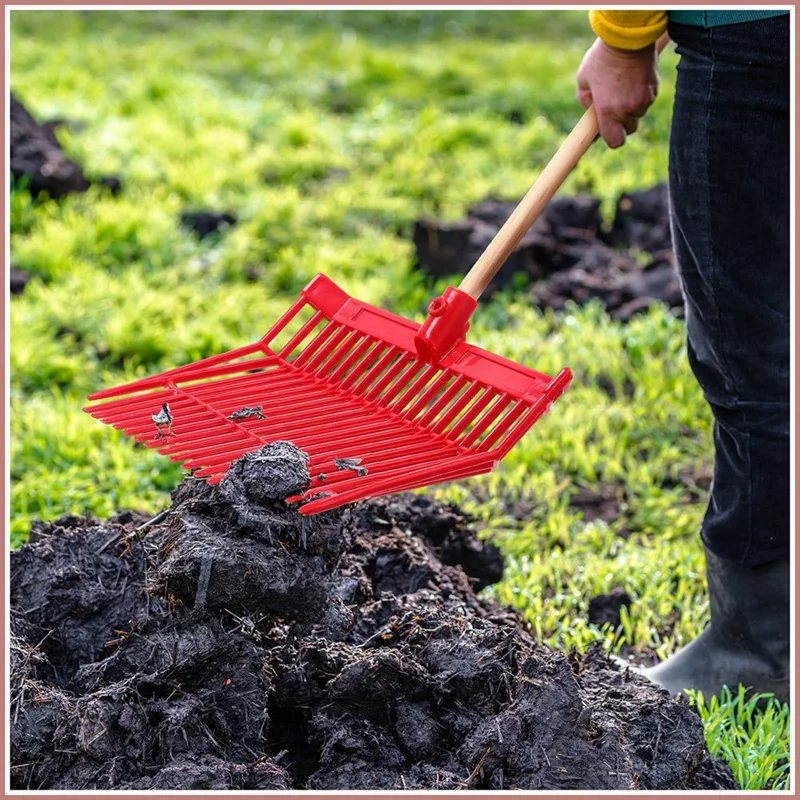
[[710, 19]]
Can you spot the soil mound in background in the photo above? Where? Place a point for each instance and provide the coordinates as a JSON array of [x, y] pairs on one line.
[[566, 253], [235, 644], [36, 156]]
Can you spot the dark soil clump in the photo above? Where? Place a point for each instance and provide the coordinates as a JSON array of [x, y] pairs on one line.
[[37, 157], [234, 644], [605, 608], [602, 502], [566, 254], [206, 223], [18, 279]]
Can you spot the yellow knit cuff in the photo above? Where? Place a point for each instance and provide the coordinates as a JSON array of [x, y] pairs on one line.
[[628, 30]]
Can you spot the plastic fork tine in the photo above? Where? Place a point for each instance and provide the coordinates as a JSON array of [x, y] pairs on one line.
[[456, 408], [337, 354], [402, 380], [389, 376], [375, 370], [419, 382], [331, 345], [355, 355], [440, 403], [365, 364], [301, 335], [157, 381], [283, 321], [483, 423], [318, 341], [470, 414], [430, 392], [501, 426]]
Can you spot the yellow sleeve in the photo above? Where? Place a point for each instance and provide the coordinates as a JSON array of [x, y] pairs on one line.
[[628, 30]]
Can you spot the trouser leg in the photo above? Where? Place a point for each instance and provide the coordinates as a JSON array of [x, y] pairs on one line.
[[729, 189]]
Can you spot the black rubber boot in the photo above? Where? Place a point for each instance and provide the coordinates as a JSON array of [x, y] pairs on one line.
[[747, 640]]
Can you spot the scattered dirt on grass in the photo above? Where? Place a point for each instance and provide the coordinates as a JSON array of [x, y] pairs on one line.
[[601, 502], [697, 481], [628, 389], [233, 643], [37, 156], [18, 280], [566, 253], [206, 223], [605, 608]]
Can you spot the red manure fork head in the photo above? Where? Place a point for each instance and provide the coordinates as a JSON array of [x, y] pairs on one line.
[[346, 385]]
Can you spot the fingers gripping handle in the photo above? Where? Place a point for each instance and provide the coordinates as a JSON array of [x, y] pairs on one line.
[[534, 202]]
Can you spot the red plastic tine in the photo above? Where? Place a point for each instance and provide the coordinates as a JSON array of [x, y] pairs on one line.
[[329, 346], [462, 466], [366, 380], [502, 425], [401, 363], [312, 438], [456, 408], [318, 341], [429, 393], [470, 414], [283, 321], [370, 359], [413, 388], [350, 361], [402, 380], [301, 334], [157, 381], [480, 427], [439, 405], [337, 356]]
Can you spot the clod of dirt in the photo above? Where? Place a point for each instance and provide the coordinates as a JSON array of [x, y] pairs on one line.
[[445, 529], [18, 279], [205, 223], [234, 644], [601, 503], [554, 242], [642, 220], [37, 156], [605, 608], [276, 471]]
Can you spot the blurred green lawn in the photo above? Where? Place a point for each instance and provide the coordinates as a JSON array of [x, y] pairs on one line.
[[329, 133]]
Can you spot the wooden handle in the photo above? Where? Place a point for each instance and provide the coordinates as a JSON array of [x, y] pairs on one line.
[[534, 202]]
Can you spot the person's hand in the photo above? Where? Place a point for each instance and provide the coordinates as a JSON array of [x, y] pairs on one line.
[[622, 85]]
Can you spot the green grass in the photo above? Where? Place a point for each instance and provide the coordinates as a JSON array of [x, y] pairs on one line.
[[329, 134], [751, 734]]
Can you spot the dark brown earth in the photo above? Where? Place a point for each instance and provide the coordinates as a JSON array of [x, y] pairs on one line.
[[234, 644], [207, 223], [38, 159], [18, 280], [567, 254], [604, 608]]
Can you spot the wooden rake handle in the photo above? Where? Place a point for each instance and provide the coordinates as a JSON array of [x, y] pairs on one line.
[[531, 206], [535, 201]]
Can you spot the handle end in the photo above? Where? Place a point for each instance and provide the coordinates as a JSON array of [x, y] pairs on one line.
[[446, 326]]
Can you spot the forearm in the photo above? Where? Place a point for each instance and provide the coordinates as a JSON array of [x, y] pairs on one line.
[[628, 30]]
